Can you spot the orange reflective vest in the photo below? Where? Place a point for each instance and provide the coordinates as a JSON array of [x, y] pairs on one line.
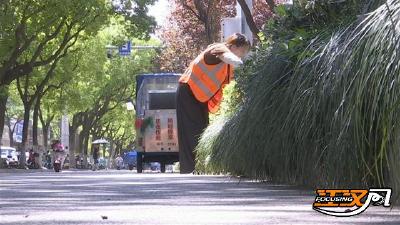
[[207, 81]]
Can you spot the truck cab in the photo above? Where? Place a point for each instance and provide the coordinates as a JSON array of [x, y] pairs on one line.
[[156, 123]]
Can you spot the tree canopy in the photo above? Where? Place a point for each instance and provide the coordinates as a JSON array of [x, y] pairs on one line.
[[53, 53]]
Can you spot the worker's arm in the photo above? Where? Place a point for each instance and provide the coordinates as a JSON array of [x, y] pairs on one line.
[[230, 58], [219, 53]]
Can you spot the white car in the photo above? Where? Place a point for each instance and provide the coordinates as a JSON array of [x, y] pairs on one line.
[[9, 155]]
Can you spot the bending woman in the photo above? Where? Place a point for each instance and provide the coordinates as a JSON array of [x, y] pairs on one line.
[[200, 92]]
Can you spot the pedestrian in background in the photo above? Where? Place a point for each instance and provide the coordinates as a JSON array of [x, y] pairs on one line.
[[119, 162], [96, 152]]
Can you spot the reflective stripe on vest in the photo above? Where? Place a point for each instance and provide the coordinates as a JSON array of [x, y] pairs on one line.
[[206, 80], [200, 84], [215, 102], [213, 73]]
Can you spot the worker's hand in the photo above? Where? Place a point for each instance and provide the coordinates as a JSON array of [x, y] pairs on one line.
[[230, 58], [219, 49]]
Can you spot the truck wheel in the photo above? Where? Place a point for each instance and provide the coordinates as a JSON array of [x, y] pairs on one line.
[[139, 163], [162, 164]]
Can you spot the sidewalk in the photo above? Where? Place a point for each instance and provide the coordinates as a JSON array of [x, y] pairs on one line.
[[124, 197]]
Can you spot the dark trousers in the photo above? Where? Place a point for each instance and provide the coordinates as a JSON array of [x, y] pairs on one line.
[[192, 117]]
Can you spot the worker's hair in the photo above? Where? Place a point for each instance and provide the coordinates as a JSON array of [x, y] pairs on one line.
[[239, 40]]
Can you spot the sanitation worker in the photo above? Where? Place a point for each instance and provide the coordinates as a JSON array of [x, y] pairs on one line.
[[200, 92]]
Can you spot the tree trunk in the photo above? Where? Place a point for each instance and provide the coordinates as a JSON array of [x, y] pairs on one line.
[[45, 128], [25, 130], [209, 32], [112, 154], [80, 147], [271, 4], [3, 107], [86, 145], [35, 119], [209, 23], [72, 147], [35, 130], [45, 132], [10, 131], [83, 144]]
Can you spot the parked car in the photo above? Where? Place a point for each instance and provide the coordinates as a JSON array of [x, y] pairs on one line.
[[9, 156], [130, 159]]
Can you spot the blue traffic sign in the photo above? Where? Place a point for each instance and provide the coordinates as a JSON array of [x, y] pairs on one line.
[[125, 49]]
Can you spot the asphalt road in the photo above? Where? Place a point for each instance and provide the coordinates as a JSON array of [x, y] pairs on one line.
[[124, 197]]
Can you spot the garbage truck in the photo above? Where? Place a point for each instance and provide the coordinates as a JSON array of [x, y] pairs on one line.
[[156, 124]]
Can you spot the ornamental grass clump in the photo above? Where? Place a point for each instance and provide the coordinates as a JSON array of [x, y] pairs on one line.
[[329, 120]]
